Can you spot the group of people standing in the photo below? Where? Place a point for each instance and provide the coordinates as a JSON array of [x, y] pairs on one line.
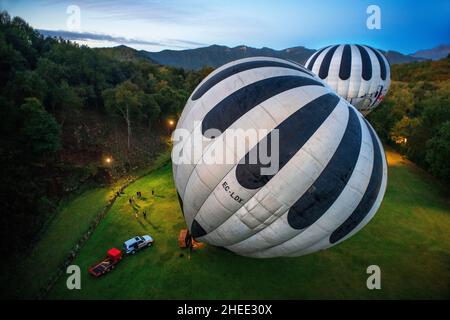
[[138, 196]]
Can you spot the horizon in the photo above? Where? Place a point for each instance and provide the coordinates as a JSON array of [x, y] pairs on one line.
[[179, 25], [125, 44]]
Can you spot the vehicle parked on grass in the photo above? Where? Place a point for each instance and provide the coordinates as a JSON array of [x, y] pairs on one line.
[[113, 257], [137, 243]]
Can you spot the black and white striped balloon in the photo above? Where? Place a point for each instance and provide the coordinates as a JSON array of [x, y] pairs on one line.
[[332, 168], [360, 74]]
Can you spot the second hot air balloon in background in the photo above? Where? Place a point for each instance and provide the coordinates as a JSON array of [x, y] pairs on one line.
[[360, 74]]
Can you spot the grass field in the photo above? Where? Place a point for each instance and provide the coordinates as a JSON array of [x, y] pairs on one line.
[[409, 239]]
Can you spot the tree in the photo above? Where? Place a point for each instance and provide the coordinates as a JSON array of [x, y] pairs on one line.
[[40, 131], [150, 108], [11, 61], [27, 84], [124, 99], [403, 129], [65, 102], [438, 152], [170, 100]]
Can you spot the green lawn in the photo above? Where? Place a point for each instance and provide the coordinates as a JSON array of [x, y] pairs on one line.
[[409, 239]]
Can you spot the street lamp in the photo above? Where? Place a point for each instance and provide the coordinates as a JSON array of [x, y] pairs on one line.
[[170, 125]]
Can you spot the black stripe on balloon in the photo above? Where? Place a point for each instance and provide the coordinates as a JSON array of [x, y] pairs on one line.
[[368, 198], [381, 62], [325, 65], [346, 63], [228, 72], [234, 106], [366, 63], [197, 230], [180, 201], [293, 134], [333, 179], [314, 58]]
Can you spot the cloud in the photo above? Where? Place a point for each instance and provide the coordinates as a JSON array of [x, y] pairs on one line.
[[172, 11], [85, 37], [198, 13]]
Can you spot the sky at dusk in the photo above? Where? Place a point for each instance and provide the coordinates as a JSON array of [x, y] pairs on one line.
[[154, 25]]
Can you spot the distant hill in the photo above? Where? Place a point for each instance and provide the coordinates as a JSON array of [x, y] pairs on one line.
[[436, 53], [124, 53], [215, 55], [395, 57]]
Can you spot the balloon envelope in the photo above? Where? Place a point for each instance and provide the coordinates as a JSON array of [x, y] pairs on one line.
[[330, 168], [360, 74]]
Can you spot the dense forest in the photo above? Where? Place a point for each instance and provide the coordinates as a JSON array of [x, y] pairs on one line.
[[73, 116], [415, 116]]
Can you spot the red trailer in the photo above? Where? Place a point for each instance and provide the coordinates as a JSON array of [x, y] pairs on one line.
[[113, 257]]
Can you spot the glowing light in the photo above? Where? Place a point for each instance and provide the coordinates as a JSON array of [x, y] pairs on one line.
[[400, 140]]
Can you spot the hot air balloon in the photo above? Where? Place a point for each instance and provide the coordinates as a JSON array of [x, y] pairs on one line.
[[360, 74], [331, 168]]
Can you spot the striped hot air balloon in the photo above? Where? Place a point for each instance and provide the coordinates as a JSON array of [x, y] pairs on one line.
[[360, 74], [331, 174]]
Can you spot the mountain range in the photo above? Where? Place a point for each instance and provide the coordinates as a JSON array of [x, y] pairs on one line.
[[217, 55], [436, 53]]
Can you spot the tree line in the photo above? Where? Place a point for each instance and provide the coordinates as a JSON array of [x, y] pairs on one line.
[[415, 116]]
